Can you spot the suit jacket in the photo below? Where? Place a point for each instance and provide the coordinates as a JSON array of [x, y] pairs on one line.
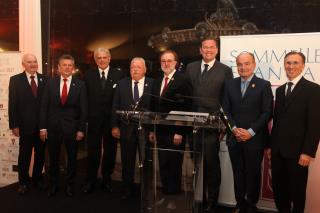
[[100, 100], [210, 87], [296, 128], [253, 110], [174, 98], [123, 99], [23, 106], [68, 118]]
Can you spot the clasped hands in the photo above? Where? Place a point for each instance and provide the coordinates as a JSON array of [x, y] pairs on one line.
[[241, 135]]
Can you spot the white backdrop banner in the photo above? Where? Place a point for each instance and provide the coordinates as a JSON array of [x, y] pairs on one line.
[[10, 64], [269, 51]]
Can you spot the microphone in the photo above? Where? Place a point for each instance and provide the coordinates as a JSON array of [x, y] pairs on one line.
[[160, 97], [224, 119]]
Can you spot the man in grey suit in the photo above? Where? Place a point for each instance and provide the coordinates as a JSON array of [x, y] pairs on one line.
[[295, 135], [208, 77]]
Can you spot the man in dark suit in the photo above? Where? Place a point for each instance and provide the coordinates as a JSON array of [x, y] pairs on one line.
[[63, 117], [129, 95], [208, 77], [25, 91], [166, 92], [101, 84], [248, 103], [295, 135]]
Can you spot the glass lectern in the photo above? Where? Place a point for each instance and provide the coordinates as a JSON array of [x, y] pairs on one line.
[[190, 198]]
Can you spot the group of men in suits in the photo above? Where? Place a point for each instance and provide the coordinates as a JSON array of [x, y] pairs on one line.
[[60, 109]]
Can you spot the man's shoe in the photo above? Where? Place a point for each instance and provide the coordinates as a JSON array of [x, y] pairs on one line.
[[69, 190], [88, 188], [52, 191], [127, 195], [40, 185], [22, 189], [211, 208], [106, 186]]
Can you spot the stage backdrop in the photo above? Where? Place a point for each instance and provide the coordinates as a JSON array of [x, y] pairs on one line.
[[269, 51], [10, 64]]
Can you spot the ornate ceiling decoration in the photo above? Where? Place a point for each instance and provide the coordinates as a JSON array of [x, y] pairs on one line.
[[225, 21]]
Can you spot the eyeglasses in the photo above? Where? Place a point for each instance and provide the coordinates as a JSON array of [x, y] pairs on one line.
[[167, 61]]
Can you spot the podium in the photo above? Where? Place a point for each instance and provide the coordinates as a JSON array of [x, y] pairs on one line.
[[191, 196]]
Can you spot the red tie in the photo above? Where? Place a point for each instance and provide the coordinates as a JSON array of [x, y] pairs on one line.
[[64, 93], [33, 86], [165, 85]]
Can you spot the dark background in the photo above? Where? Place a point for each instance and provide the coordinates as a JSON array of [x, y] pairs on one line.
[[124, 26]]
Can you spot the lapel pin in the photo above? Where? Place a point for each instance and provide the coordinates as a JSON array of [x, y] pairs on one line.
[[40, 79], [146, 85], [73, 84], [253, 85], [114, 86]]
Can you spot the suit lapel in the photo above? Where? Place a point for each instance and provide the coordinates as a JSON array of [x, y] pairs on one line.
[[296, 90], [250, 87], [72, 90]]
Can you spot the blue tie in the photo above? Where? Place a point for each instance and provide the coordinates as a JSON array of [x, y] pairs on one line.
[[135, 92], [244, 85]]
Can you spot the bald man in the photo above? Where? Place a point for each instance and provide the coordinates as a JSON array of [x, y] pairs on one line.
[[25, 91]]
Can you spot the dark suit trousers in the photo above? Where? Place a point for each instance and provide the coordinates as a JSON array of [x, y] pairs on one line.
[[246, 166], [129, 144], [99, 132], [289, 182], [55, 140], [209, 140], [170, 162], [26, 143]]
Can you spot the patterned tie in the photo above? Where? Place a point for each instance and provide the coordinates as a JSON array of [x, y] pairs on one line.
[[136, 92], [205, 70], [103, 80], [64, 93], [165, 85], [34, 87], [289, 84]]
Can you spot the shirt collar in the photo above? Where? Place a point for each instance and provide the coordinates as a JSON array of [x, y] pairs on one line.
[[141, 81], [29, 75], [170, 75], [105, 70], [248, 79], [297, 79], [210, 63], [69, 78]]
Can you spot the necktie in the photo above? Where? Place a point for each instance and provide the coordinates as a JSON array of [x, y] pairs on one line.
[[244, 87], [165, 85], [135, 92], [103, 80], [205, 70], [64, 93], [33, 86], [289, 84]]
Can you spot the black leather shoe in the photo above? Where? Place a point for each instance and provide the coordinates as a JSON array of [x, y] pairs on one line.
[[106, 186], [22, 189], [211, 208], [88, 188], [52, 191], [127, 195], [40, 185], [69, 190]]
